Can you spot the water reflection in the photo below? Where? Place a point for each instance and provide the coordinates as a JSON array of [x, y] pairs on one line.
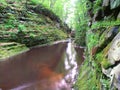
[[70, 63], [73, 60], [52, 67], [53, 82]]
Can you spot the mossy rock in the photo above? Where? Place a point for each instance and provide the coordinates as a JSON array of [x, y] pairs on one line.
[[29, 28], [87, 79], [8, 49], [106, 34], [102, 59], [105, 63]]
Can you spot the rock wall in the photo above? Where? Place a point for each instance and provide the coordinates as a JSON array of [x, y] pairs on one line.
[[100, 71], [23, 26]]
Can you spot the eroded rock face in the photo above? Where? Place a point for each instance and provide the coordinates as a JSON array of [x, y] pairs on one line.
[[114, 51], [114, 58], [115, 76]]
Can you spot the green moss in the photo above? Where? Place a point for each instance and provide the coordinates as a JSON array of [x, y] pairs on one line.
[[3, 2], [104, 36], [105, 50], [97, 5], [105, 63], [35, 2], [29, 28], [87, 79], [105, 24], [8, 49], [80, 34], [92, 40], [100, 57]]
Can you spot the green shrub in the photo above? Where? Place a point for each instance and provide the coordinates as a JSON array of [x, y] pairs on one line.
[[97, 5], [88, 78], [105, 24], [3, 2], [92, 40], [102, 60]]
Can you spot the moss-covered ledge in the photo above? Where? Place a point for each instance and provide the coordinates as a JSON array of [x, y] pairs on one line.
[[8, 49], [22, 25]]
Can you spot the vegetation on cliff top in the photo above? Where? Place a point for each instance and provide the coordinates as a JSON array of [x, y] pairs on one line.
[[103, 24]]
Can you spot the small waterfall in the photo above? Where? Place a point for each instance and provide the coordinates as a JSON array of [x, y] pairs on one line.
[[71, 64]]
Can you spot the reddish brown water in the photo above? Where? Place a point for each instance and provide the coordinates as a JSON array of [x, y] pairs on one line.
[[40, 68]]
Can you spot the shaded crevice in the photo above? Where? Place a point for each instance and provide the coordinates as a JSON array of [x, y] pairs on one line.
[[116, 12], [112, 66]]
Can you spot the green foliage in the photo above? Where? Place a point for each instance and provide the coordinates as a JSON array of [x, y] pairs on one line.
[[35, 1], [88, 78], [21, 28], [92, 40], [56, 6], [105, 82], [105, 63], [32, 35], [80, 22], [3, 2], [81, 11], [10, 22], [97, 5], [80, 36], [102, 60], [28, 28], [10, 48], [105, 24]]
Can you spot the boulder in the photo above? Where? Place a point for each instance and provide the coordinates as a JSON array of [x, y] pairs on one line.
[[107, 71], [115, 77], [114, 51], [114, 4]]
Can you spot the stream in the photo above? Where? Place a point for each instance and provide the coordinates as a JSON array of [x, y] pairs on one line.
[[52, 67]]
